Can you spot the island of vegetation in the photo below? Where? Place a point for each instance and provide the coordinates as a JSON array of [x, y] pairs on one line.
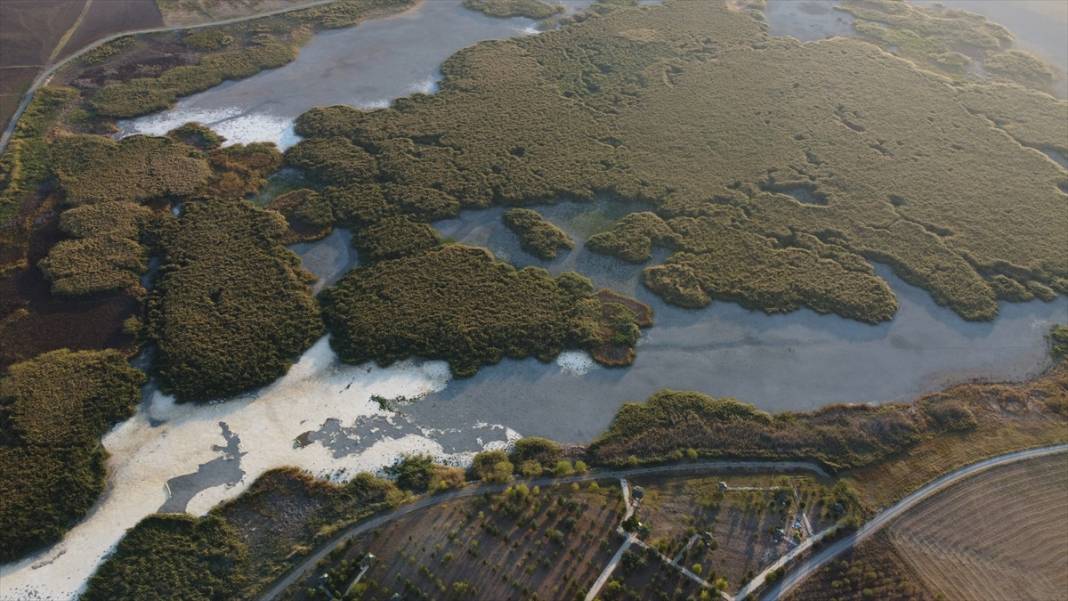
[[53, 410], [531, 9], [947, 40], [232, 308], [795, 196], [537, 235], [460, 304]]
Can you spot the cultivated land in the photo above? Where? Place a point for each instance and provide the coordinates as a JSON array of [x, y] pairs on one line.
[[549, 543], [736, 532], [1002, 534]]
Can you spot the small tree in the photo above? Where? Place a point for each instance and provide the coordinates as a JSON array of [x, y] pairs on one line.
[[486, 466], [413, 472], [563, 468]]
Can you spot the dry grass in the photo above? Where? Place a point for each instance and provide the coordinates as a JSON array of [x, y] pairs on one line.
[[1001, 535], [1009, 417]]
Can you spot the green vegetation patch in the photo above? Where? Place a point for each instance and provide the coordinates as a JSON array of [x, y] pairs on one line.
[[838, 436], [394, 237], [1022, 68], [232, 308], [781, 169], [104, 253], [241, 545], [53, 410], [633, 237], [459, 304], [94, 168], [172, 557], [537, 235], [531, 9]]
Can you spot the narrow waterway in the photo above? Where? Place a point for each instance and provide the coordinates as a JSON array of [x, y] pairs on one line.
[[367, 66]]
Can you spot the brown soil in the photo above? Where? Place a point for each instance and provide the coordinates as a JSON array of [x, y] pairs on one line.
[[32, 321], [501, 555], [1001, 535], [107, 17], [876, 567], [29, 31]]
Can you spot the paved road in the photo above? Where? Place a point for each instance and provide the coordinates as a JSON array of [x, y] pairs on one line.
[[300, 571], [810, 565], [47, 74]]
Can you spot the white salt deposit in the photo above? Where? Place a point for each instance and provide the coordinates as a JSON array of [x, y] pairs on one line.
[[577, 363], [144, 458]]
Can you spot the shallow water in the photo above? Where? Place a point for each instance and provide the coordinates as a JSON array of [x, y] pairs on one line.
[[1039, 26], [367, 66], [795, 361], [808, 20]]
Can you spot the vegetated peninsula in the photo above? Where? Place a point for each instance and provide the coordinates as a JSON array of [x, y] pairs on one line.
[[53, 410], [531, 9], [537, 235], [800, 181], [460, 304]]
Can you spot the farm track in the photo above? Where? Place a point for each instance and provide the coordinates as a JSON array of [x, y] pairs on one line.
[[1003, 535], [824, 556], [46, 75], [301, 570]]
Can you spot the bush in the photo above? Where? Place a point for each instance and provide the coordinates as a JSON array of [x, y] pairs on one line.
[[54, 408], [492, 466], [413, 472], [542, 451], [459, 304], [232, 309]]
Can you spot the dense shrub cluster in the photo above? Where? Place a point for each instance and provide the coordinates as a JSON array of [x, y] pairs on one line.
[[94, 168], [607, 105], [633, 237], [394, 237], [232, 308], [104, 253], [460, 304], [242, 169], [25, 162], [531, 9], [172, 557], [537, 235], [838, 436], [308, 213], [53, 410], [240, 546], [149, 94]]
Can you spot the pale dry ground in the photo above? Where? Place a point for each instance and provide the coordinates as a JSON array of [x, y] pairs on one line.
[[1002, 535]]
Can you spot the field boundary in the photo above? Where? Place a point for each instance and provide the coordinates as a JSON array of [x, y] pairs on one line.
[[885, 517]]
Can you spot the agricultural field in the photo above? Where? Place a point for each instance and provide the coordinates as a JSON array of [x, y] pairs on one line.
[[36, 33], [734, 526], [1001, 535], [545, 543], [874, 570]]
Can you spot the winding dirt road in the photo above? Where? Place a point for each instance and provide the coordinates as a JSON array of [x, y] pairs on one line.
[[300, 571], [47, 74]]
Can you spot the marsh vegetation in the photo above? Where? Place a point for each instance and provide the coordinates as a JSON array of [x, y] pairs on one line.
[[53, 411]]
